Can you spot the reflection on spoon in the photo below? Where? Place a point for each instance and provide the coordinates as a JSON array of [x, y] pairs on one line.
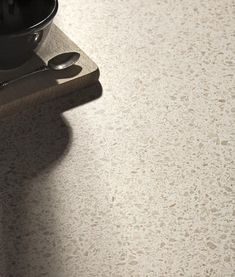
[[57, 63]]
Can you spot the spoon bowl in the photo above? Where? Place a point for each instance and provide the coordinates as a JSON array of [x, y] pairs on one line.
[[63, 61]]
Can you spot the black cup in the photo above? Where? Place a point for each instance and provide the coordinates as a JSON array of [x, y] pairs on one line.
[[24, 26]]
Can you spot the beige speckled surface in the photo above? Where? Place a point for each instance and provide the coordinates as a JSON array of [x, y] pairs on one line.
[[139, 182]]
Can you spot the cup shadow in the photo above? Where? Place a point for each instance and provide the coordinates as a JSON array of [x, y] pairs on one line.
[[31, 144]]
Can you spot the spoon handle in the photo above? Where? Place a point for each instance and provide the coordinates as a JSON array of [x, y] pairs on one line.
[[9, 82]]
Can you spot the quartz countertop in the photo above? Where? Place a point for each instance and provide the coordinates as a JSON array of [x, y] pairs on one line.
[[138, 182]]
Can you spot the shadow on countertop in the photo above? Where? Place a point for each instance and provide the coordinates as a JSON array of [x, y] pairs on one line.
[[31, 143]]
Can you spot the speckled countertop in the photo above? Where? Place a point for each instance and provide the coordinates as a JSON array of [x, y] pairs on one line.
[[138, 182]]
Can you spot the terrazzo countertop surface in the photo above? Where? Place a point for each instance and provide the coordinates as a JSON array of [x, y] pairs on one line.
[[139, 181]]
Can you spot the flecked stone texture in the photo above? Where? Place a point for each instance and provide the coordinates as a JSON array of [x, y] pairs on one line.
[[140, 182]]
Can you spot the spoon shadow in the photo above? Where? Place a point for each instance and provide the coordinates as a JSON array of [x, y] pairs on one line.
[[70, 72]]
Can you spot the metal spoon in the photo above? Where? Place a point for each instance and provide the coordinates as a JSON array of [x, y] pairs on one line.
[[57, 63]]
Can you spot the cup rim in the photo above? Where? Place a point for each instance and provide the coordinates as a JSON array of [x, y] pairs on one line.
[[36, 26]]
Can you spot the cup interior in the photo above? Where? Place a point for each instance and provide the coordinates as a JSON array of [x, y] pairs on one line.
[[19, 15]]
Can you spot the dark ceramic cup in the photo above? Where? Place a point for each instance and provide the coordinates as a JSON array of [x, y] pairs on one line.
[[24, 26]]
